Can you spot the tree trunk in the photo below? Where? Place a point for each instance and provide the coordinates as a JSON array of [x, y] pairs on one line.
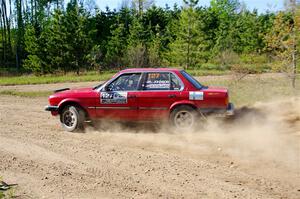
[[3, 42], [294, 64], [189, 42], [294, 44]]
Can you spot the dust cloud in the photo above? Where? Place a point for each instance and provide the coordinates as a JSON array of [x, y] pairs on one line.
[[264, 132]]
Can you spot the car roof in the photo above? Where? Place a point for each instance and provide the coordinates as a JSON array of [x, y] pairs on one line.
[[151, 70]]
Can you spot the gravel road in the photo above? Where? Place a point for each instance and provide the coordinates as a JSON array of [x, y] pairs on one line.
[[253, 157]]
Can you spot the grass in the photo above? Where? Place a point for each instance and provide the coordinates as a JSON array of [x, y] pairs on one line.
[[90, 76], [48, 79], [250, 90], [6, 194], [26, 94], [208, 72], [243, 92]]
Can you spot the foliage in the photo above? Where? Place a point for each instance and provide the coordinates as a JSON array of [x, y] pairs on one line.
[[282, 42], [52, 36], [187, 47]]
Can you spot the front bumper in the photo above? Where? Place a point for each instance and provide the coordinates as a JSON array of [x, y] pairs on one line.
[[51, 108]]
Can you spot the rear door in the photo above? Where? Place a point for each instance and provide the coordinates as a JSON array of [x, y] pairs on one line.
[[118, 100], [159, 90]]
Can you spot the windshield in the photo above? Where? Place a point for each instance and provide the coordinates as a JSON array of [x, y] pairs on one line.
[[191, 79]]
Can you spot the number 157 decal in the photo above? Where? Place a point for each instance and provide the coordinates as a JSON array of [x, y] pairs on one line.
[[113, 97]]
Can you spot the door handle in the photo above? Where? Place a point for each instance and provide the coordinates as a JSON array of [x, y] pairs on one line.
[[131, 96], [172, 96]]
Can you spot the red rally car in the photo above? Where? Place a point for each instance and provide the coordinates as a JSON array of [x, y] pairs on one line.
[[141, 95]]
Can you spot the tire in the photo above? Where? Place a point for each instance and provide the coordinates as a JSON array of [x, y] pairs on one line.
[[183, 118], [72, 118]]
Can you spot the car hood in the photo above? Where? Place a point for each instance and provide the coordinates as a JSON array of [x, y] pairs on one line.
[[79, 90], [71, 92]]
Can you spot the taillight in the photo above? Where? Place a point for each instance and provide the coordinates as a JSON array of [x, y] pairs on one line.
[[226, 99]]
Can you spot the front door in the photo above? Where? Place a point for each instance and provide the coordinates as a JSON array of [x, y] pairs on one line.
[[118, 100]]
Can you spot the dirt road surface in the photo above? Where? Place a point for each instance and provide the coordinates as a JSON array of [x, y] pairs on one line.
[[253, 157]]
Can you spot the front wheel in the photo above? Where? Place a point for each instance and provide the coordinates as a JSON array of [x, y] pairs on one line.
[[72, 118], [183, 117]]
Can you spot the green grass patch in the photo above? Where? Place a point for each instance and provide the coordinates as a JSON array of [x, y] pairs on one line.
[[26, 94], [48, 79], [89, 76]]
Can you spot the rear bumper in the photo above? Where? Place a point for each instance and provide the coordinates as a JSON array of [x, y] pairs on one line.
[[230, 109], [51, 108]]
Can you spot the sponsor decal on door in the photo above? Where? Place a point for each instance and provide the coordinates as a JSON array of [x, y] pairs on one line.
[[114, 97]]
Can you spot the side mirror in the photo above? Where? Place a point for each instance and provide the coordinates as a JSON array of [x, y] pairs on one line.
[[107, 88]]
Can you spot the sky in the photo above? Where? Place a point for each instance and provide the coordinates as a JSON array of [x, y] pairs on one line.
[[261, 5]]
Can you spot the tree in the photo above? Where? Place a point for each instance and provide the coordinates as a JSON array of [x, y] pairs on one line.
[[5, 32], [283, 39], [186, 49], [77, 36], [116, 47], [118, 42], [56, 49], [47, 36], [141, 5], [33, 61], [20, 34], [246, 33], [155, 49], [225, 10], [294, 8], [102, 23], [137, 54]]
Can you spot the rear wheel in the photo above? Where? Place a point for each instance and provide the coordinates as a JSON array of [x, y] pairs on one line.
[[72, 118], [183, 117]]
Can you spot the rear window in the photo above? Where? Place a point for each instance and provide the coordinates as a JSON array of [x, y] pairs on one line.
[[191, 79]]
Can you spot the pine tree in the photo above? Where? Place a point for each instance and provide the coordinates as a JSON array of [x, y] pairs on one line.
[[225, 10], [137, 50], [56, 49], [116, 46], [155, 49], [77, 36], [33, 61], [186, 49]]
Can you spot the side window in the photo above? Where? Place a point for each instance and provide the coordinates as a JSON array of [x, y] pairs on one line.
[[125, 82], [175, 83], [157, 81]]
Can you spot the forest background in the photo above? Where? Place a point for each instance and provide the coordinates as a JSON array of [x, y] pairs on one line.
[[50, 37]]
